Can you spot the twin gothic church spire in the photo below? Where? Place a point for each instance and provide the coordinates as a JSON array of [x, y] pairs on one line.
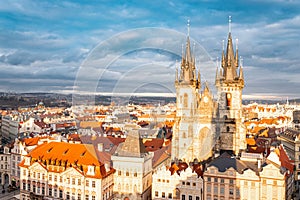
[[188, 72], [230, 63]]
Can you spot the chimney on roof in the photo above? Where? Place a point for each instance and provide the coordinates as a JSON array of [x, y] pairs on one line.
[[259, 164], [100, 147], [107, 166]]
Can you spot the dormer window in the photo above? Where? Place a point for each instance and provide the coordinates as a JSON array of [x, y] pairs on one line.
[[27, 161], [91, 170]]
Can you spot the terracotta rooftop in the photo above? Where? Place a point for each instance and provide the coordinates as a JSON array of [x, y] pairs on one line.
[[78, 156], [30, 141]]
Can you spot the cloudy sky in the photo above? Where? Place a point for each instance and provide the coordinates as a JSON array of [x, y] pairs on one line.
[[129, 46]]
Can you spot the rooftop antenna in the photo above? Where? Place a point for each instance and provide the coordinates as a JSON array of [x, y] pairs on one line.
[[229, 24]]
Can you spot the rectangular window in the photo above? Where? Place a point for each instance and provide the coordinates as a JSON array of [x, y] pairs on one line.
[[194, 184], [230, 191], [60, 194], [215, 180], [119, 173], [187, 183], [93, 184], [170, 196], [68, 195], [43, 190], [87, 183], [222, 191], [50, 191], [237, 192], [79, 182], [183, 197], [86, 197], [55, 192], [163, 195], [208, 179], [24, 186], [156, 193], [93, 197], [73, 181], [216, 189], [55, 178], [50, 177], [197, 198], [28, 187], [231, 181], [190, 197], [208, 188], [222, 180], [24, 173]]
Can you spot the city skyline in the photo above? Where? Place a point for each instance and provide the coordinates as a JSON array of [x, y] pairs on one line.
[[43, 44]]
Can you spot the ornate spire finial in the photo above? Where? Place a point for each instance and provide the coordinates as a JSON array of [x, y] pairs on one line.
[[229, 24], [236, 43], [188, 27]]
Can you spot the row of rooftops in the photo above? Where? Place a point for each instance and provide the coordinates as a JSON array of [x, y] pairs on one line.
[[246, 161]]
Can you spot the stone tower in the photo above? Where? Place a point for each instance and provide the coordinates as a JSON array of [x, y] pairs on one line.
[[229, 84], [133, 164], [193, 131]]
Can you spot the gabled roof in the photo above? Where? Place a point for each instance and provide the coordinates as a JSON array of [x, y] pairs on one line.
[[31, 141]]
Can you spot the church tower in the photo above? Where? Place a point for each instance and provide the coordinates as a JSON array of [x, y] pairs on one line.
[[229, 84], [192, 135]]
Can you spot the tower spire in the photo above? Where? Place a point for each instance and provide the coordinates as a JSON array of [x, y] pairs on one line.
[[236, 53], [241, 72], [223, 54], [188, 70]]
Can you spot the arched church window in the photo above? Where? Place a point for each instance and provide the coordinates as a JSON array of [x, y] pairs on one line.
[[185, 100], [228, 100]]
